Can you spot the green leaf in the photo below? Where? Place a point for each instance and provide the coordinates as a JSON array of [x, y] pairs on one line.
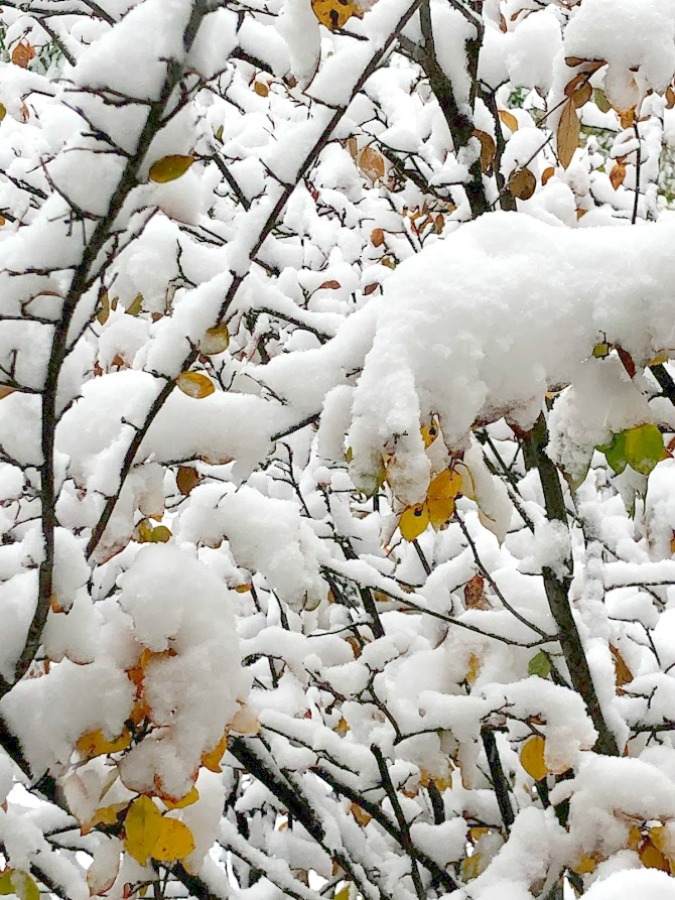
[[643, 447], [615, 452], [540, 665]]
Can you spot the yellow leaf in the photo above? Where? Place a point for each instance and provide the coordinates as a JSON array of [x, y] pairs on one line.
[[473, 670], [195, 385], [446, 485], [472, 866], [142, 828], [261, 89], [567, 134], [429, 432], [585, 866], [333, 13], [508, 119], [216, 340], [652, 858], [414, 521], [174, 841], [440, 511], [191, 797], [95, 743], [104, 815], [3, 111], [25, 887], [532, 757], [168, 168], [211, 759], [136, 306], [623, 674]]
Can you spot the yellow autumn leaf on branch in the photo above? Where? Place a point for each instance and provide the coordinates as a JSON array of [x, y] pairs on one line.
[[95, 743], [191, 797], [175, 841], [142, 828], [195, 385], [211, 759], [333, 13], [168, 168], [532, 757]]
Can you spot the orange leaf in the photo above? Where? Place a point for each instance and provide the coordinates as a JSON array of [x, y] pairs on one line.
[[622, 673], [377, 237], [22, 54], [617, 175], [548, 173], [371, 163], [567, 134]]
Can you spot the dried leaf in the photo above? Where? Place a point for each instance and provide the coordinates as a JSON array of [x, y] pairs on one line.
[[626, 361], [548, 173], [474, 593], [22, 54], [627, 117], [618, 175], [601, 101], [245, 722], [3, 111], [522, 184], [371, 163], [260, 88], [579, 89], [670, 98], [509, 120], [195, 385], [168, 168], [377, 237], [622, 674], [488, 150], [567, 134], [361, 816], [329, 286], [187, 479]]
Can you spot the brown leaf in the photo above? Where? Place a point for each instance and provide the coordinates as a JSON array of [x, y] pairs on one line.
[[439, 223], [474, 593], [187, 479], [508, 119], [617, 175], [622, 673], [329, 286], [377, 237], [22, 54], [627, 361], [567, 134], [548, 172], [487, 150], [670, 97], [582, 94], [370, 288], [522, 184], [371, 163], [5, 391]]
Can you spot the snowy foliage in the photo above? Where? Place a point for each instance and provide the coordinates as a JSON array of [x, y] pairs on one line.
[[337, 496]]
